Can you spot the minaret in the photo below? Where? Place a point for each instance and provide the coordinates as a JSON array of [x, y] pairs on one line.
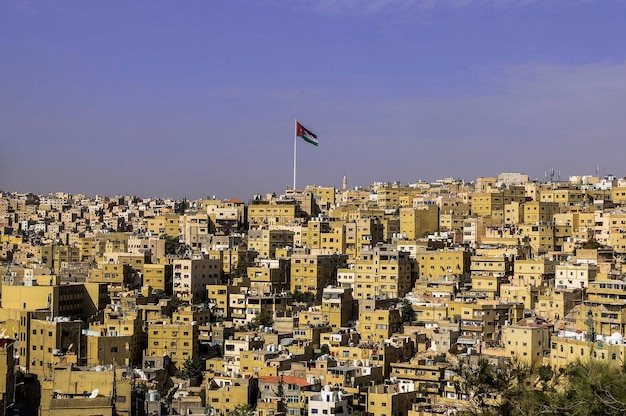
[[345, 182]]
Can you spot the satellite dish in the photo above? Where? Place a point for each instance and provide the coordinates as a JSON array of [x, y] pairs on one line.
[[70, 347], [94, 394]]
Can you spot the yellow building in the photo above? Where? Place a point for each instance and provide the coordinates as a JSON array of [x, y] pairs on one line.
[[529, 344], [391, 399], [135, 261], [426, 375], [617, 232], [450, 222], [536, 212], [481, 322], [224, 394], [570, 346], [158, 276], [48, 340], [388, 196], [362, 234], [91, 248], [355, 197], [114, 274], [382, 272], [230, 258], [528, 295], [265, 213], [142, 244], [606, 290], [486, 286], [513, 213], [490, 265], [420, 221], [563, 197], [555, 304], [533, 272], [325, 234], [218, 298], [435, 265], [297, 391], [53, 256], [430, 312], [269, 276], [324, 195], [265, 242], [377, 321], [540, 237], [225, 216], [177, 340], [311, 272], [168, 225], [337, 306], [117, 339], [618, 194], [57, 300], [492, 204], [72, 392], [7, 373]]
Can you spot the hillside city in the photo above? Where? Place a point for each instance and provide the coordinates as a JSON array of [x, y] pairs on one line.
[[369, 300]]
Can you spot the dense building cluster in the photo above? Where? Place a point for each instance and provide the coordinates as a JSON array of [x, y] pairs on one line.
[[317, 302]]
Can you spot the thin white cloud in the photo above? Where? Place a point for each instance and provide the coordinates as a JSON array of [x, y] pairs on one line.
[[391, 7]]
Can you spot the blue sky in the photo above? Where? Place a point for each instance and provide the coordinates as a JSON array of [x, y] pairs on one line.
[[197, 98]]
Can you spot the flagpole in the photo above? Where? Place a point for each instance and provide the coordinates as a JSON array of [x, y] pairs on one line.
[[295, 135]]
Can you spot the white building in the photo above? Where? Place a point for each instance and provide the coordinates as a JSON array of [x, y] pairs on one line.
[[331, 401], [574, 275]]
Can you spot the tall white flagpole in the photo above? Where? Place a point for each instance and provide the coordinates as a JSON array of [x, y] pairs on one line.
[[295, 136]]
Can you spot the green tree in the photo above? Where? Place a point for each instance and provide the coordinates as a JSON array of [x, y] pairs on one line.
[[590, 388], [441, 358], [408, 313], [242, 410], [280, 389], [171, 244], [261, 319], [181, 206], [192, 369], [241, 270], [324, 350], [304, 297]]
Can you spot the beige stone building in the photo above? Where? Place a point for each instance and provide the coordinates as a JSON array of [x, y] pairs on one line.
[[419, 222], [311, 272], [265, 242], [382, 272], [527, 343], [191, 276]]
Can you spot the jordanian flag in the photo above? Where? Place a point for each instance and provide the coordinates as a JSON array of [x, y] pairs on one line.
[[306, 134]]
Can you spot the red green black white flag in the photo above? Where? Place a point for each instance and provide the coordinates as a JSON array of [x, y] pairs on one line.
[[305, 134]]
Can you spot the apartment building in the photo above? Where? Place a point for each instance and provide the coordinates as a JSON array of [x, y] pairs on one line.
[[382, 272]]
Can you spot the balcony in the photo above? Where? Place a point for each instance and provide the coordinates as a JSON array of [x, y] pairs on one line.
[[472, 325]]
